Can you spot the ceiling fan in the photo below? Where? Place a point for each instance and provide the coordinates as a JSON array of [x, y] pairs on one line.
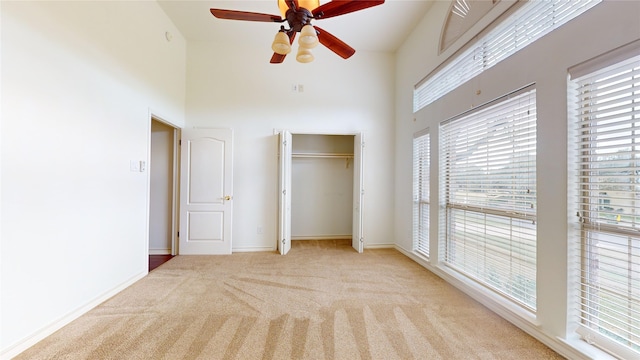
[[298, 15]]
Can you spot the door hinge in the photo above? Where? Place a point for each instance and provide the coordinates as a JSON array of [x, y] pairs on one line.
[[284, 192], [362, 240], [180, 142], [284, 241], [178, 233]]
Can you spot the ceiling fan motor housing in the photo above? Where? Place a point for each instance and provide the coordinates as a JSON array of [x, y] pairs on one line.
[[298, 18]]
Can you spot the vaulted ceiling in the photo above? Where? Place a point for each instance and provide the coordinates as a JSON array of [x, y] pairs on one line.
[[381, 28]]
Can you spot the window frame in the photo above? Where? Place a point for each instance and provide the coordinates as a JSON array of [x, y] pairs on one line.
[[510, 33], [421, 191], [477, 212], [593, 238]]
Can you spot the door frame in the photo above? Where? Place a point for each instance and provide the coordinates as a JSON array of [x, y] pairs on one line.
[[175, 187], [357, 240]]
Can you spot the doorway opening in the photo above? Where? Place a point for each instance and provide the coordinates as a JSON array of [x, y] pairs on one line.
[[163, 192], [321, 189]]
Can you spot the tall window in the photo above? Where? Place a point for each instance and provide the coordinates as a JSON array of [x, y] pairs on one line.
[[531, 21], [488, 176], [421, 163], [606, 123]]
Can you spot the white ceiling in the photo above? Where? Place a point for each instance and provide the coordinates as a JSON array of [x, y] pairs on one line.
[[380, 28]]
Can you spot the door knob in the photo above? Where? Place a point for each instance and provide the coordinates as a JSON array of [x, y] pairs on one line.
[[227, 198]]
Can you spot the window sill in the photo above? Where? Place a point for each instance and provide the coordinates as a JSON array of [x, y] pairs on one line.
[[586, 350]]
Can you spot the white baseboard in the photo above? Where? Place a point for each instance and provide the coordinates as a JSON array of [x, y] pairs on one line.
[[47, 330], [380, 246], [253, 249], [323, 237], [159, 251]]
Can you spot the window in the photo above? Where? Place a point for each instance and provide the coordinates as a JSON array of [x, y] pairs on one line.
[[531, 21], [606, 124], [462, 16], [421, 163], [488, 177]]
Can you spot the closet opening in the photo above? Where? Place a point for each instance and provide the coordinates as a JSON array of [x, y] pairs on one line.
[[321, 189]]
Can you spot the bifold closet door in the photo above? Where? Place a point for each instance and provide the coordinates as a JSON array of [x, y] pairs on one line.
[[357, 241], [284, 225]]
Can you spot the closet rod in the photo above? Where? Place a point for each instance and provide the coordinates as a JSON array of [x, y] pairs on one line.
[[322, 155]]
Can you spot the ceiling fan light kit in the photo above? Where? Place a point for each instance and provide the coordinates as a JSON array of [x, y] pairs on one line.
[[298, 15], [308, 37], [304, 55], [281, 44]]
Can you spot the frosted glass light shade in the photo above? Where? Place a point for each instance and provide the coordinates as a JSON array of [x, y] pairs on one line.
[[281, 44], [304, 55], [308, 37], [307, 4]]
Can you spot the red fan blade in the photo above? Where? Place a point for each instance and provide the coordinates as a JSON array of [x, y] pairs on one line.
[[277, 58], [334, 44], [244, 15], [340, 7]]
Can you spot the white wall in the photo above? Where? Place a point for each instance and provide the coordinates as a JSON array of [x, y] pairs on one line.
[[238, 88], [79, 81], [321, 198], [607, 26]]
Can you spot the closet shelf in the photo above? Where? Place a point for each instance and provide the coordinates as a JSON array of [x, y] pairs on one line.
[[322, 155]]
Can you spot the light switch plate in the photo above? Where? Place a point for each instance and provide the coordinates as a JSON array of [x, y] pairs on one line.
[[134, 165]]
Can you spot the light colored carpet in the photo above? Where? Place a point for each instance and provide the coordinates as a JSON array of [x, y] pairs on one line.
[[321, 301]]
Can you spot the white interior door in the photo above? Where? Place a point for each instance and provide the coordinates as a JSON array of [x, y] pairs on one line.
[[206, 191], [284, 227], [357, 240]]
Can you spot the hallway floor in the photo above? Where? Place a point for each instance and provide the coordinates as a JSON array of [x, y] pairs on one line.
[[157, 260]]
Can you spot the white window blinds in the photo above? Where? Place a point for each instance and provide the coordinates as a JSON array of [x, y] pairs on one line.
[[488, 161], [530, 22], [606, 113], [421, 163]]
